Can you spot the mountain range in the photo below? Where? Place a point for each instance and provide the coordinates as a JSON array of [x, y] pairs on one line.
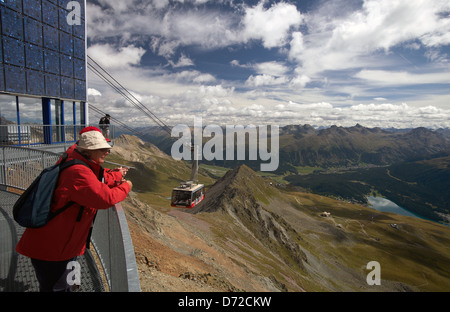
[[334, 147], [254, 234], [358, 145]]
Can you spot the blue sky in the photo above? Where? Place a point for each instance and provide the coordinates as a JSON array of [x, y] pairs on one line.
[[379, 63]]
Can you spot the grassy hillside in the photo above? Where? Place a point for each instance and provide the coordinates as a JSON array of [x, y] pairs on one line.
[[411, 252]]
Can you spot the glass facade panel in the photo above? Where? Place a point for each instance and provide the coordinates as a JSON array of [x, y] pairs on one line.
[[51, 38], [12, 24], [51, 61], [14, 4], [68, 112], [79, 30], [79, 69], [33, 31], [32, 8], [30, 110], [63, 25], [55, 106], [34, 58], [52, 85], [79, 48], [50, 13], [14, 52], [80, 88], [80, 113], [14, 78], [2, 81], [66, 66], [8, 109], [67, 88], [35, 82]]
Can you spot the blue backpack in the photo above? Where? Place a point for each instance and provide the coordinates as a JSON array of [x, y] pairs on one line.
[[32, 209]]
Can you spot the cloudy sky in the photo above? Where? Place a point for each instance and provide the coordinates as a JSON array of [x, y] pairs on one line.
[[378, 63]]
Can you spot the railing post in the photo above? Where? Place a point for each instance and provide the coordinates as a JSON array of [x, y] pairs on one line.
[[19, 135], [29, 135], [3, 172]]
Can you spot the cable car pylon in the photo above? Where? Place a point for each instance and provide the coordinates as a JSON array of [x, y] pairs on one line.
[[190, 193]]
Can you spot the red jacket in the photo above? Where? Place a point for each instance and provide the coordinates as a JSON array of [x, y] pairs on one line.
[[63, 237]]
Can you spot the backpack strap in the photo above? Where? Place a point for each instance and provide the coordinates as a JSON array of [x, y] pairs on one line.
[[80, 213], [88, 239], [64, 157], [62, 209], [63, 165]]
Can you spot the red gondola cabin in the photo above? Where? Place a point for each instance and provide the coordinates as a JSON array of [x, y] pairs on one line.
[[187, 195]]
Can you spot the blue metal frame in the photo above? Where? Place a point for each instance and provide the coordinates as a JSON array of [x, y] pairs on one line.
[[74, 108], [18, 119], [47, 120], [63, 132]]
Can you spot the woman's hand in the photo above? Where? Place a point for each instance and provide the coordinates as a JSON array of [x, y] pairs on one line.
[[122, 170]]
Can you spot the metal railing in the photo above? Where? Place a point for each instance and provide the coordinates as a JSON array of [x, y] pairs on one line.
[[111, 237], [112, 240], [28, 135], [20, 166]]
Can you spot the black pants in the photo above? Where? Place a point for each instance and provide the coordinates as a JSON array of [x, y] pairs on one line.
[[52, 275]]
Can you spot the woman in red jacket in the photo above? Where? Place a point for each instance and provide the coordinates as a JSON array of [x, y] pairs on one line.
[[60, 241]]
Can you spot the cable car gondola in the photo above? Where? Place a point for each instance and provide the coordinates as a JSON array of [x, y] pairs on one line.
[[190, 193], [187, 195]]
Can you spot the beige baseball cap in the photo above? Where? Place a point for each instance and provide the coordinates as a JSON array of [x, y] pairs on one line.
[[93, 140]]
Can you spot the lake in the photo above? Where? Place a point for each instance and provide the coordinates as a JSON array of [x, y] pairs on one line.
[[385, 205]]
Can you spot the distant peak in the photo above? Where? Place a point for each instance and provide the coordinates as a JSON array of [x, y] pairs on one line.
[[237, 185]]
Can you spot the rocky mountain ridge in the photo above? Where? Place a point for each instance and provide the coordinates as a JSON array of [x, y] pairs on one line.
[[240, 194]]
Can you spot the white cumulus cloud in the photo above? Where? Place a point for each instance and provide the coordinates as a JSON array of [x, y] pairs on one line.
[[111, 57], [271, 25]]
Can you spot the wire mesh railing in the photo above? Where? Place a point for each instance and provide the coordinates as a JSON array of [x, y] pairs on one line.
[[20, 166]]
